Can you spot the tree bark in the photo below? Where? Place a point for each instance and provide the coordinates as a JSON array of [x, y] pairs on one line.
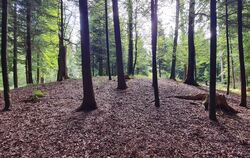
[[107, 39], [154, 21], [228, 49], [4, 60], [136, 37], [232, 61], [120, 70], [213, 51], [28, 42], [89, 102], [173, 67], [190, 80], [15, 77], [241, 57], [130, 37]]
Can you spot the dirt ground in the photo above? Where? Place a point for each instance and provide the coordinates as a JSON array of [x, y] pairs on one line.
[[126, 124]]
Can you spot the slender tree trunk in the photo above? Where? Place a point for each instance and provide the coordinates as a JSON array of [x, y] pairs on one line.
[[100, 67], [89, 102], [173, 67], [191, 48], [38, 68], [241, 57], [232, 61], [213, 47], [154, 21], [28, 40], [159, 68], [107, 39], [120, 70], [228, 50], [136, 37], [130, 37], [62, 57], [15, 77], [4, 60], [222, 68]]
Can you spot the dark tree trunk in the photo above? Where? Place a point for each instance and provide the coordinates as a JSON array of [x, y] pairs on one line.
[[107, 39], [100, 67], [159, 63], [89, 102], [130, 38], [15, 77], [4, 61], [213, 47], [190, 79], [62, 65], [136, 37], [241, 56], [38, 68], [28, 40], [232, 61], [173, 67], [228, 50], [154, 21], [120, 70]]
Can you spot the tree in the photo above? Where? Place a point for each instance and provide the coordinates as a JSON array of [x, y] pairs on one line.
[[89, 102], [228, 49], [62, 68], [154, 21], [136, 35], [130, 37], [29, 78], [213, 48], [173, 67], [4, 54], [15, 77], [190, 79], [241, 56], [107, 39], [120, 70]]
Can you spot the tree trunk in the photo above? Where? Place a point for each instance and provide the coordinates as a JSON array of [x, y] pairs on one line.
[[222, 68], [241, 57], [130, 37], [89, 102], [154, 21], [38, 68], [136, 37], [120, 70], [173, 67], [159, 68], [190, 80], [15, 77], [213, 47], [100, 67], [28, 40], [107, 39], [232, 61], [228, 49], [4, 60]]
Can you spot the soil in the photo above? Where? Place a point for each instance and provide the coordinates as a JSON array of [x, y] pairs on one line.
[[126, 123]]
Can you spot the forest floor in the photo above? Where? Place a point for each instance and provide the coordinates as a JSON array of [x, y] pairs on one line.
[[126, 123]]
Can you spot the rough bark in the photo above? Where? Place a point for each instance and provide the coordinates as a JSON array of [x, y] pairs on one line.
[[89, 102], [190, 80], [28, 43], [173, 67], [213, 47], [130, 37], [241, 57], [136, 37], [15, 77], [107, 39], [154, 21], [228, 49], [120, 70], [4, 60]]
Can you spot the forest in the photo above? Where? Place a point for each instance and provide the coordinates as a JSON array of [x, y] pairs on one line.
[[127, 78]]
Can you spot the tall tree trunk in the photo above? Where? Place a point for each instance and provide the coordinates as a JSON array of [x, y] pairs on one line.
[[228, 49], [100, 67], [232, 61], [15, 77], [62, 65], [89, 102], [130, 37], [191, 48], [213, 47], [222, 68], [28, 40], [38, 67], [173, 67], [4, 60], [154, 21], [120, 70], [107, 39], [241, 57], [136, 36]]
